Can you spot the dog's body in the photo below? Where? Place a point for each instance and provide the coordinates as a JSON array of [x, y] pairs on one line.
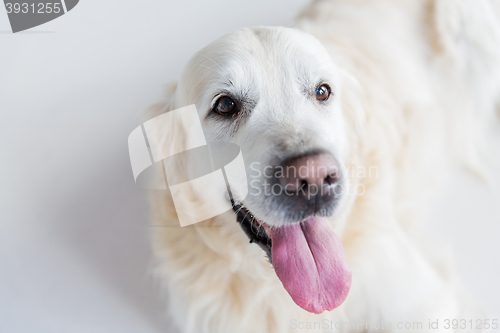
[[412, 80]]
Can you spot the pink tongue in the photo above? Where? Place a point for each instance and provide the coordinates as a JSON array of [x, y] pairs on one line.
[[309, 260]]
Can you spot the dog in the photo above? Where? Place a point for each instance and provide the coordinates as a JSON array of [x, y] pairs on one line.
[[372, 100]]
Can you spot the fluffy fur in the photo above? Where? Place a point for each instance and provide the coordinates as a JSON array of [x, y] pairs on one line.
[[414, 81]]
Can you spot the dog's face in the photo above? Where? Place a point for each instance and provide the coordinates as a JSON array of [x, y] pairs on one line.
[[275, 92]]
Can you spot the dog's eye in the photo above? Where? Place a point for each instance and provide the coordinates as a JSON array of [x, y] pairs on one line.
[[225, 106], [323, 92]]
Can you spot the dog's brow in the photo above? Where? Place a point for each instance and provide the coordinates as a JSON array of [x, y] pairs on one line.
[[216, 64]]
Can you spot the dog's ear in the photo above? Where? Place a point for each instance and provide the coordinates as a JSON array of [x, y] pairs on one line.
[[164, 105]]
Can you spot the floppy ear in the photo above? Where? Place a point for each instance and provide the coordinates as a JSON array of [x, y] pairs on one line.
[[164, 213], [153, 177], [164, 105]]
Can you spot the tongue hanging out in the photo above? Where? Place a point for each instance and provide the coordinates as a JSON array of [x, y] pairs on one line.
[[309, 260]]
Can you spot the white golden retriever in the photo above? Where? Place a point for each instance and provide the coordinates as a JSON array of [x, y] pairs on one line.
[[371, 99]]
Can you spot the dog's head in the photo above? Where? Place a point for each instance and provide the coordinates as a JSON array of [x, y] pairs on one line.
[[275, 92]]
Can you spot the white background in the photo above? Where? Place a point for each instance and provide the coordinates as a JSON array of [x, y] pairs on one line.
[[74, 250]]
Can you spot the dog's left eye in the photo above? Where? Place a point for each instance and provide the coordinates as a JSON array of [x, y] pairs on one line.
[[323, 93], [225, 106]]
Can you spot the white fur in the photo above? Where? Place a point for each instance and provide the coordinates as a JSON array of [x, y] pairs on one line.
[[414, 81]]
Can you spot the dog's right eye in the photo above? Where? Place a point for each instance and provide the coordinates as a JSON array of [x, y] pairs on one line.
[[323, 93], [225, 106]]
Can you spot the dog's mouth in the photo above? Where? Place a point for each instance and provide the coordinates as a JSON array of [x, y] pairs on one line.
[[307, 257], [253, 228]]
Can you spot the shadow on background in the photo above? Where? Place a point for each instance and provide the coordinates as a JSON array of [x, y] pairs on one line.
[[106, 224]]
